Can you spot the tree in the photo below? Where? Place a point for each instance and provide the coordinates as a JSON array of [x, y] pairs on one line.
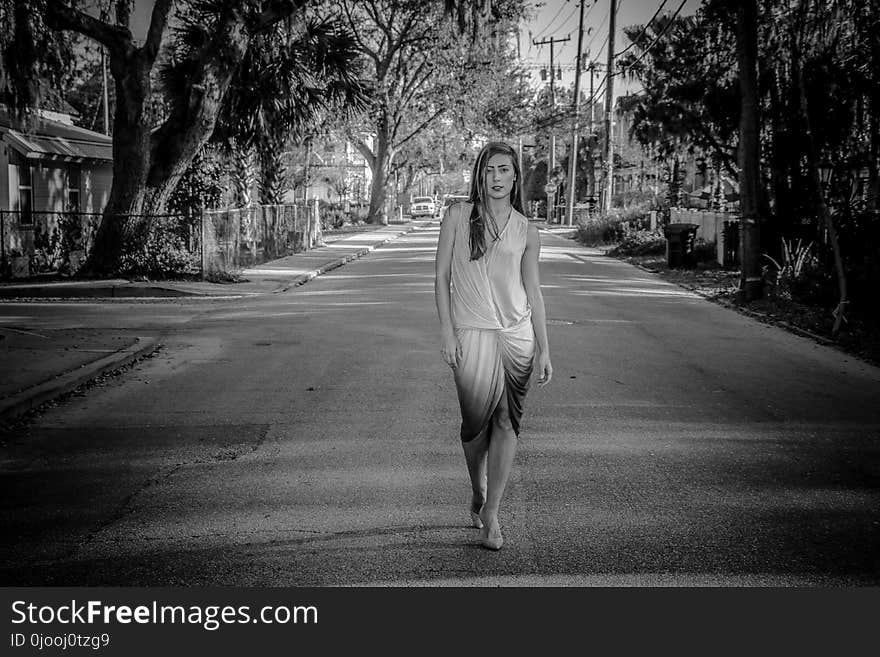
[[421, 69], [294, 75], [751, 282], [690, 97], [817, 94], [151, 150]]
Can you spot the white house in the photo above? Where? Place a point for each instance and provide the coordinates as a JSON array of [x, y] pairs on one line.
[[50, 169]]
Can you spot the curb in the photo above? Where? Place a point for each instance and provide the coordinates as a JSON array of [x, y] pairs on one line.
[[302, 279], [30, 398], [127, 291]]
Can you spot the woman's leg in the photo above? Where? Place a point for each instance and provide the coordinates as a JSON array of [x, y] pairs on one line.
[[475, 451], [502, 450]]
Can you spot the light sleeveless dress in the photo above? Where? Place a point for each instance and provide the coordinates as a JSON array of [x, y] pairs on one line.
[[493, 323]]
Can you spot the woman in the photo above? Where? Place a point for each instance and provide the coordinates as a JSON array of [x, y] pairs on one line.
[[492, 320]]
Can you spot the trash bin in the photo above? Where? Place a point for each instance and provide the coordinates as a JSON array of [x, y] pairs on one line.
[[680, 245]]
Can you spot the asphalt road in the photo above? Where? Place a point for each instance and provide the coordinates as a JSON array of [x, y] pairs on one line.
[[310, 438]]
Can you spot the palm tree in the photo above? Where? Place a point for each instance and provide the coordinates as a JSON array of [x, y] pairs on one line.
[[294, 75]]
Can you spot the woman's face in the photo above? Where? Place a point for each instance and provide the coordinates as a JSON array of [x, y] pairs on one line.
[[499, 176]]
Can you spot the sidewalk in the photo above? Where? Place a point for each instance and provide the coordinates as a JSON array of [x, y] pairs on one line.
[[38, 365]]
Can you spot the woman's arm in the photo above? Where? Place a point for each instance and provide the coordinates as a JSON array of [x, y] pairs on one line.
[[532, 284], [449, 345]]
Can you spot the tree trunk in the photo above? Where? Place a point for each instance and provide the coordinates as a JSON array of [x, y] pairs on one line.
[[271, 173], [243, 176], [131, 163], [816, 186], [780, 159], [751, 283], [381, 166]]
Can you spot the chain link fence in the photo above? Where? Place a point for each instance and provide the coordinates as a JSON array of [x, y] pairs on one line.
[[235, 239], [217, 244], [34, 243]]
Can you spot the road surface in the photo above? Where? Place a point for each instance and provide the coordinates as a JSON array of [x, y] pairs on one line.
[[310, 438]]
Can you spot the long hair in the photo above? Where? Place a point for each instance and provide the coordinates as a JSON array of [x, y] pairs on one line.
[[479, 196]]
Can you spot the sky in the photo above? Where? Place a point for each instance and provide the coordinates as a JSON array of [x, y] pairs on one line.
[[559, 19]]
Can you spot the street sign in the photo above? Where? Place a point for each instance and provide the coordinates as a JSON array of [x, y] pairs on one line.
[[549, 188]]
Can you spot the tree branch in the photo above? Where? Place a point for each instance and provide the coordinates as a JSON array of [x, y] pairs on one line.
[[363, 149], [421, 126], [409, 90], [274, 12], [362, 46], [62, 17], [158, 22]]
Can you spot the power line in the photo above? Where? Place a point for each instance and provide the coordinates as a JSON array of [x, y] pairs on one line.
[[568, 18], [597, 91], [547, 26], [644, 29], [656, 38], [586, 16], [590, 44], [604, 43]]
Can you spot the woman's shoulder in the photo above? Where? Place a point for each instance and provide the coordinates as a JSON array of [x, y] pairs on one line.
[[459, 211], [521, 220]]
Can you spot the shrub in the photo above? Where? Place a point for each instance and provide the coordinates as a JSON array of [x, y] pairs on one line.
[[599, 231], [158, 249], [800, 275], [641, 242], [613, 227]]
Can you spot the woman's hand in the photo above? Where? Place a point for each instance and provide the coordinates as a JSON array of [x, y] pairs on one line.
[[544, 368], [450, 347]]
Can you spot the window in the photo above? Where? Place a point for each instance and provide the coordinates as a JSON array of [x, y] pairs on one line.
[[25, 189], [73, 188]]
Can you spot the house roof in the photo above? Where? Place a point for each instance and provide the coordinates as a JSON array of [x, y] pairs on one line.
[[55, 140]]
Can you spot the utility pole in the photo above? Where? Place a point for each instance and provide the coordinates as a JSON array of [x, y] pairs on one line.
[[551, 196], [105, 99], [572, 157], [592, 164], [609, 107]]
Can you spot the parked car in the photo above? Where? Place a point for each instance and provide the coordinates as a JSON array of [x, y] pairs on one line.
[[423, 206], [448, 201]]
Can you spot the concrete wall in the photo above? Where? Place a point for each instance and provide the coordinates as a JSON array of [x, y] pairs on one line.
[[710, 226]]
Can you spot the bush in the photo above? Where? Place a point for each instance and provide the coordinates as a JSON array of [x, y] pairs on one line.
[[635, 199], [613, 227], [599, 231], [800, 276], [158, 249], [641, 242]]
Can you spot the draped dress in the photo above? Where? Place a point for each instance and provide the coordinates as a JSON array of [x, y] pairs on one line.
[[492, 320]]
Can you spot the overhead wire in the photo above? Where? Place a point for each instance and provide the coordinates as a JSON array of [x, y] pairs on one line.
[[656, 38], [644, 29], [596, 33], [569, 17], [547, 26]]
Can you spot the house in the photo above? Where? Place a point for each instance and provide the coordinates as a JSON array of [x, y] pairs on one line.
[[49, 171], [338, 173]]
